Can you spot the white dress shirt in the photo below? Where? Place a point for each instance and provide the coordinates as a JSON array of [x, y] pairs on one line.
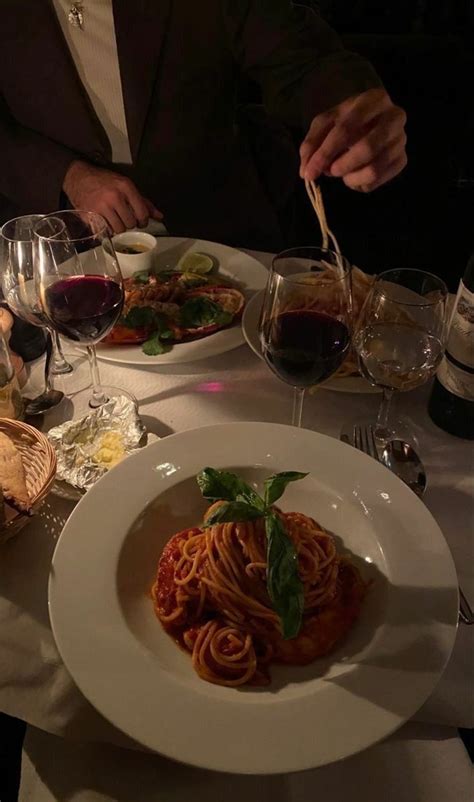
[[94, 50]]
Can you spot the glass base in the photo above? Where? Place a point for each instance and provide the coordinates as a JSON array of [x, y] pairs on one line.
[[85, 400], [399, 428], [61, 368]]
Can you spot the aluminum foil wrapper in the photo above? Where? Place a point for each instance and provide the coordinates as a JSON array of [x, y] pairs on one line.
[[79, 444]]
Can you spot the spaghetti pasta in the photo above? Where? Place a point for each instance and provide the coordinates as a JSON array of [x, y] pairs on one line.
[[316, 198], [210, 594], [361, 283]]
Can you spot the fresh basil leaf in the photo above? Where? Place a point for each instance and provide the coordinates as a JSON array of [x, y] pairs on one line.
[[284, 585], [201, 311], [139, 317], [141, 277], [233, 511], [153, 346], [275, 485], [226, 486]]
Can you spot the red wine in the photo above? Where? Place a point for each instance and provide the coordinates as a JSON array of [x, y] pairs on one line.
[[84, 308], [451, 404], [305, 347]]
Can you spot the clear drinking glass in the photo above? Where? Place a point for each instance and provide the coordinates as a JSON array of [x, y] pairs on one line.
[[18, 283], [19, 291], [400, 338], [305, 325], [79, 284]]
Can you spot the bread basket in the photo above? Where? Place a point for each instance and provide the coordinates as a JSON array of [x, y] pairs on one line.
[[39, 461]]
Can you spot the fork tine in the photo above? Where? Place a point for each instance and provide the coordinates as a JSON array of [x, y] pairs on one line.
[[354, 436], [357, 438], [365, 440], [373, 450]]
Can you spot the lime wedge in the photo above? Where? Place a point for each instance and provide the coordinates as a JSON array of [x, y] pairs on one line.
[[197, 263]]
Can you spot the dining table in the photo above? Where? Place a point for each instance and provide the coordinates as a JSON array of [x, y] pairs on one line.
[[71, 752]]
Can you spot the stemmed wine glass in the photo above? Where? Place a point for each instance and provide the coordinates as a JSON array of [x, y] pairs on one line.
[[19, 291], [79, 284], [305, 325], [18, 282], [400, 339]]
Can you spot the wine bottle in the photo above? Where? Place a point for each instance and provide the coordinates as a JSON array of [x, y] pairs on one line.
[[451, 404]]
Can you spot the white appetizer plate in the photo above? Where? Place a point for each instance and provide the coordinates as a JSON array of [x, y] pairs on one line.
[[242, 270]]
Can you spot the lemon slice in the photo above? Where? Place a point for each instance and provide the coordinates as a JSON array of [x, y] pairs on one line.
[[197, 263]]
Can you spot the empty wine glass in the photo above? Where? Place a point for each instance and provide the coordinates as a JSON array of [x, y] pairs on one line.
[[305, 325], [79, 284], [18, 283], [400, 339]]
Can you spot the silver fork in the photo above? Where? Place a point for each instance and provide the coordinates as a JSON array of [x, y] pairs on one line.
[[363, 439]]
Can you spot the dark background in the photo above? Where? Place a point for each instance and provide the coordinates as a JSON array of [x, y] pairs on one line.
[[422, 49]]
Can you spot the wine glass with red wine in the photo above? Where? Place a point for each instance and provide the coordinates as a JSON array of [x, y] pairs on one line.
[[79, 283], [305, 325]]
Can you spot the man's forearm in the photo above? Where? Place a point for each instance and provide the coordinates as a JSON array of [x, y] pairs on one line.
[[299, 61], [333, 79]]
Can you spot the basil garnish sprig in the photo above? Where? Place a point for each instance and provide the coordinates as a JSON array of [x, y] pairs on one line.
[[243, 503]]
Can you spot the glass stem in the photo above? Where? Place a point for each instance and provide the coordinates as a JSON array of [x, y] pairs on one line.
[[60, 365], [48, 385], [98, 396], [381, 427], [298, 399]]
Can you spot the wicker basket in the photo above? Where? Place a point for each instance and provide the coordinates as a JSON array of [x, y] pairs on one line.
[[39, 460]]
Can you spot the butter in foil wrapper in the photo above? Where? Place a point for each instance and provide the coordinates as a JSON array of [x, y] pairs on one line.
[[89, 447]]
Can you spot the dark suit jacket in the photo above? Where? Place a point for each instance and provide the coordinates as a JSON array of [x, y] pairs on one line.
[[180, 62]]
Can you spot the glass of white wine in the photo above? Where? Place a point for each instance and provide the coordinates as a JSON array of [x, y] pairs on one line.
[[401, 337]]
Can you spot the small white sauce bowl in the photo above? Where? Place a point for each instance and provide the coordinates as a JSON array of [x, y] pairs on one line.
[[131, 263]]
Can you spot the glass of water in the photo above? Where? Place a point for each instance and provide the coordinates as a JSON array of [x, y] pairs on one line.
[[401, 336]]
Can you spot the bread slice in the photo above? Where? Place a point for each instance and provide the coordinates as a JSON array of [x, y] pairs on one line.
[[12, 476]]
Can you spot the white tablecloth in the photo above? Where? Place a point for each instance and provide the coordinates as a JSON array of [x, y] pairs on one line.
[[420, 763], [35, 686]]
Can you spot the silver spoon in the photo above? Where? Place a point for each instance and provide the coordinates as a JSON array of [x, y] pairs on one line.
[[403, 461], [50, 397]]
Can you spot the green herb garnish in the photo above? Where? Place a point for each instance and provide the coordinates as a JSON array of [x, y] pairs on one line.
[[202, 311], [154, 345], [242, 503], [141, 277], [139, 317], [146, 317]]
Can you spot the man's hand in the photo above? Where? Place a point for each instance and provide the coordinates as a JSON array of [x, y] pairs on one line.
[[362, 141], [112, 195]]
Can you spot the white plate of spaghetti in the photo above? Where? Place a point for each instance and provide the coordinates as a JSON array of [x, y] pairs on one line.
[[272, 617]]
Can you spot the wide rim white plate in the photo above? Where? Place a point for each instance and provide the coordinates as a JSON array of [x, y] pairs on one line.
[[248, 274], [135, 675], [250, 319]]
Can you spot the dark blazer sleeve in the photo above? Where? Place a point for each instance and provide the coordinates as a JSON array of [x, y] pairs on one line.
[[298, 60], [32, 166]]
